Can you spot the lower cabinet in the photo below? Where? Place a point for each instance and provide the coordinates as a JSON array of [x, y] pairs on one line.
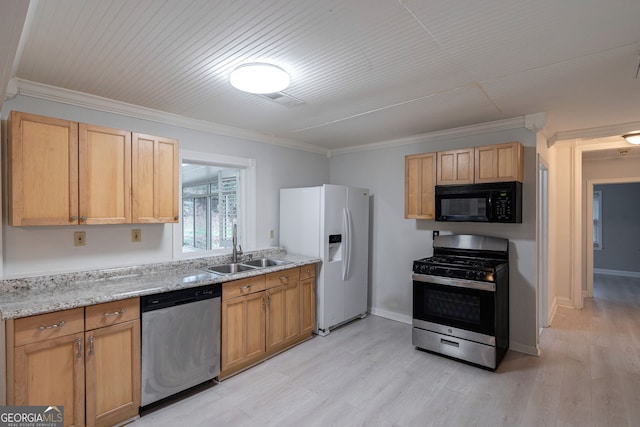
[[264, 315], [93, 372]]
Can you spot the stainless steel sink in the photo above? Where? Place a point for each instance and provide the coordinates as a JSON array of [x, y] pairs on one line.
[[231, 268], [264, 262]]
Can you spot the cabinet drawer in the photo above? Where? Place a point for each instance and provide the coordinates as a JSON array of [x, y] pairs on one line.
[[241, 287], [110, 313], [307, 271], [46, 326], [284, 277]]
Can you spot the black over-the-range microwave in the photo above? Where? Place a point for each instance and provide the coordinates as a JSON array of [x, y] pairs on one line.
[[490, 202]]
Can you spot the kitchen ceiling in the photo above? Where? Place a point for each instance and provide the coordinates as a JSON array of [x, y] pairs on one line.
[[362, 71]]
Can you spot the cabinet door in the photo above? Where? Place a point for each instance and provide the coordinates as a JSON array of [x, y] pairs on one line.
[[43, 171], [51, 372], [499, 163], [243, 331], [307, 306], [283, 316], [104, 175], [112, 358], [419, 186], [154, 179], [455, 167]]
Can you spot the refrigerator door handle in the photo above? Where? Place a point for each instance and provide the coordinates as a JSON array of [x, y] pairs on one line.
[[346, 226]]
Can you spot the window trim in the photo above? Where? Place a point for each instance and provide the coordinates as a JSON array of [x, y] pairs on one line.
[[247, 214], [597, 235]]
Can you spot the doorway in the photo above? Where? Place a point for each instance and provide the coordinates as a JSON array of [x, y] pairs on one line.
[[590, 229]]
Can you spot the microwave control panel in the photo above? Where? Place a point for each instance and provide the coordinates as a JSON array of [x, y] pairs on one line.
[[502, 207]]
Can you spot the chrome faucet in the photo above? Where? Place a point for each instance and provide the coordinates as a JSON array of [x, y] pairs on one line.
[[237, 249]]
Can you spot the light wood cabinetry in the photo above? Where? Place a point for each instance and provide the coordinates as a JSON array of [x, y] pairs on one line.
[[264, 315], [69, 173], [48, 363], [243, 323], [156, 171], [499, 162], [283, 308], [307, 299], [419, 186], [112, 362], [455, 167], [43, 170], [104, 182], [87, 362]]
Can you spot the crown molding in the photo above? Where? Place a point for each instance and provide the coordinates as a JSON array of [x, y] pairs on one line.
[[93, 102], [598, 132], [459, 132]]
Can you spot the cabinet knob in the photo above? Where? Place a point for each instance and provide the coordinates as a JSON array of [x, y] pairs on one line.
[[83, 218], [176, 217], [73, 218]]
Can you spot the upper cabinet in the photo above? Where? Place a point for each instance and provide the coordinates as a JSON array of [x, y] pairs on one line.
[[499, 162], [455, 167], [419, 186], [68, 173], [104, 179], [43, 170], [156, 168]]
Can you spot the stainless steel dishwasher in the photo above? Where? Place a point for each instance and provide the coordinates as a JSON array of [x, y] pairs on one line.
[[180, 340]]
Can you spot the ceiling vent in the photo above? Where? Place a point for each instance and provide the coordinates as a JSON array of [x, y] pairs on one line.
[[282, 99]]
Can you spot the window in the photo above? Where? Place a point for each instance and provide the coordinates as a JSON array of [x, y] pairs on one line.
[[210, 206], [597, 220]]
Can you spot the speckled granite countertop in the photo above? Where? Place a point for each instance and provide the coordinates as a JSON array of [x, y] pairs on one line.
[[42, 294]]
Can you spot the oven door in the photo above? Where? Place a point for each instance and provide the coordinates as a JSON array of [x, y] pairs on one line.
[[458, 307]]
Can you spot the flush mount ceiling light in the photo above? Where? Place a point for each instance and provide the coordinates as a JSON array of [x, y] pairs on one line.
[[632, 138], [259, 77]]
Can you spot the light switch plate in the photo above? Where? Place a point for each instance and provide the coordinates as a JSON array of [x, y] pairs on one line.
[[136, 235], [79, 238]]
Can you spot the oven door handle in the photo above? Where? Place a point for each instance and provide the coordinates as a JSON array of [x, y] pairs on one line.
[[450, 281]]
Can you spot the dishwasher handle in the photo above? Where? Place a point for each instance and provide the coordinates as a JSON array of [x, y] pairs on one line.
[[179, 297]]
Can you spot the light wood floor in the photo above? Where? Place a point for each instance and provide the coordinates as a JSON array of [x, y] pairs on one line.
[[368, 374]]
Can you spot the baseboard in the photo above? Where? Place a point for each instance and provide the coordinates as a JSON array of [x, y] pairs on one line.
[[621, 273], [391, 315], [522, 348], [552, 311], [564, 302]]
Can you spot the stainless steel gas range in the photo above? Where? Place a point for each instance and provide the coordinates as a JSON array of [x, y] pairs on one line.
[[461, 299]]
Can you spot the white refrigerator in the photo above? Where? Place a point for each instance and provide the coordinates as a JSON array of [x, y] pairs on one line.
[[330, 222]]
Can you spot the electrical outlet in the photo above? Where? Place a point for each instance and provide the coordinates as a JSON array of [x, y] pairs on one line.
[[272, 233], [136, 235], [79, 238]]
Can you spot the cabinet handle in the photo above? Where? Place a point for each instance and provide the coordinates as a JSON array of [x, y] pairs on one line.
[[264, 304], [79, 354], [284, 278], [269, 299], [114, 313], [308, 272], [176, 217], [54, 326], [83, 218], [73, 218], [91, 346], [245, 287]]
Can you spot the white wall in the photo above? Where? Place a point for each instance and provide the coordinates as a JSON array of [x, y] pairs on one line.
[[38, 250], [396, 242]]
